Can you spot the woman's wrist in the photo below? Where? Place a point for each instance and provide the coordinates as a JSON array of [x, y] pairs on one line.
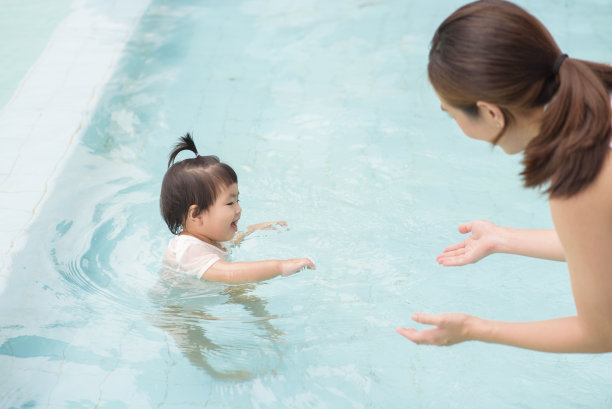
[[478, 329], [502, 240]]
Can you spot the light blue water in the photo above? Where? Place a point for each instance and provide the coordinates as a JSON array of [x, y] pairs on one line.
[[324, 110]]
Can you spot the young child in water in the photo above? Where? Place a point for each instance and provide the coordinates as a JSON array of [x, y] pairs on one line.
[[199, 203]]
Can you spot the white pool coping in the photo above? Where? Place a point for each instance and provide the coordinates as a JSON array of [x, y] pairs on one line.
[[50, 109]]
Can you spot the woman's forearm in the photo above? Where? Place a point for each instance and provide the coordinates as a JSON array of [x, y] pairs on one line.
[[542, 243], [561, 335]]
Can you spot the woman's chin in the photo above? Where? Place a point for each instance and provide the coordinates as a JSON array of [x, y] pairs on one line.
[[511, 150]]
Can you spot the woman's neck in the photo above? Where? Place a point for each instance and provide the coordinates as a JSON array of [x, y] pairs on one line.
[[528, 125]]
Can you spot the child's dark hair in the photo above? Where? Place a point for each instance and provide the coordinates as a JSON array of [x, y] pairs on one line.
[[196, 181]]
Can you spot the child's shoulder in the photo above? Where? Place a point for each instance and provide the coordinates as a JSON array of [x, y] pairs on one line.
[[184, 241]]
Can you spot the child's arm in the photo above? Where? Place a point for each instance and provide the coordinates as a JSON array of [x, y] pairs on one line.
[[250, 271], [259, 226]]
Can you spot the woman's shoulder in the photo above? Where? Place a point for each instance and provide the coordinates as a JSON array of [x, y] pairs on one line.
[[583, 223], [593, 202]]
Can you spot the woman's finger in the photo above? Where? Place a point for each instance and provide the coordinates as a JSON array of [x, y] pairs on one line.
[[453, 253], [465, 228], [427, 319], [455, 246], [454, 261], [410, 333]]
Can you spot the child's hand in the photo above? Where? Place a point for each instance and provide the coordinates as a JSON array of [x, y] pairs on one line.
[[267, 225], [259, 226], [294, 265]]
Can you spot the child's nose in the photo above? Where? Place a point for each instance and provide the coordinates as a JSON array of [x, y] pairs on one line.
[[238, 208]]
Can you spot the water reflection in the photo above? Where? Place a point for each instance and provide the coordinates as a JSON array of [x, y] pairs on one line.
[[222, 344]]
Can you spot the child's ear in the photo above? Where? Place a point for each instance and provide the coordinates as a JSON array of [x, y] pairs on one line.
[[193, 212]]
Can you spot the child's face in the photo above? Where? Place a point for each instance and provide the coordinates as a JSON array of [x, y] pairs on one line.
[[220, 221]]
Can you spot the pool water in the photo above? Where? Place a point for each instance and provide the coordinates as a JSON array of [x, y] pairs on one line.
[[324, 111]]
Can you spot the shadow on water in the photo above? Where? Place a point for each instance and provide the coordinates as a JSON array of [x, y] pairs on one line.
[[213, 342]]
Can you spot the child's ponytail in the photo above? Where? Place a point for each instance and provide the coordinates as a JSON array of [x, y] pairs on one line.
[[185, 143], [575, 131]]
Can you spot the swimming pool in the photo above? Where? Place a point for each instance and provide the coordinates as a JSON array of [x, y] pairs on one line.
[[324, 110]]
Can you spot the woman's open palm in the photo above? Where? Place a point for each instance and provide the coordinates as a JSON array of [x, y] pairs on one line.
[[480, 243]]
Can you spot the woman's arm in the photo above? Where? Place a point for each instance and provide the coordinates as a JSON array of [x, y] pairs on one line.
[[541, 243], [251, 271], [556, 335], [584, 226], [487, 238]]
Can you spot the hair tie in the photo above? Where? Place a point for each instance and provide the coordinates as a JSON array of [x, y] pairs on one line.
[[197, 155], [558, 63]]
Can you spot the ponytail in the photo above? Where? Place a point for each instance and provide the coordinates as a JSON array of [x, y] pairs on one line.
[[575, 131], [495, 51], [185, 143]]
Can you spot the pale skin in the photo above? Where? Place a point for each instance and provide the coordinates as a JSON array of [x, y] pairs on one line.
[[487, 238], [582, 237], [218, 224]]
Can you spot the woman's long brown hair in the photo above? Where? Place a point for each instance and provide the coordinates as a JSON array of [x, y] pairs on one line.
[[494, 51]]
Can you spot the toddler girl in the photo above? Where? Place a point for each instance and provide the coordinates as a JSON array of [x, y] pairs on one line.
[[199, 203]]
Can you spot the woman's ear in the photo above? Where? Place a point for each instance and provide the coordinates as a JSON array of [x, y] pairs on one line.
[[491, 113]]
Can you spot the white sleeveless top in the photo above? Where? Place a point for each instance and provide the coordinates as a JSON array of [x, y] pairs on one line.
[[189, 255]]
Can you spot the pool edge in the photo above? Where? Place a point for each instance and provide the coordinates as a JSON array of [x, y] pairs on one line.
[[51, 108]]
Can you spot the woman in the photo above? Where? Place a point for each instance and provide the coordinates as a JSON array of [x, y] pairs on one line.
[[499, 73]]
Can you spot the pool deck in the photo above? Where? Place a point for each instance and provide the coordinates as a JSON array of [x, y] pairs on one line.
[[51, 107]]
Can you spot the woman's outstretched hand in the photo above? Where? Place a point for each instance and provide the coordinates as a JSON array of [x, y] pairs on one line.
[[450, 329], [482, 242]]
